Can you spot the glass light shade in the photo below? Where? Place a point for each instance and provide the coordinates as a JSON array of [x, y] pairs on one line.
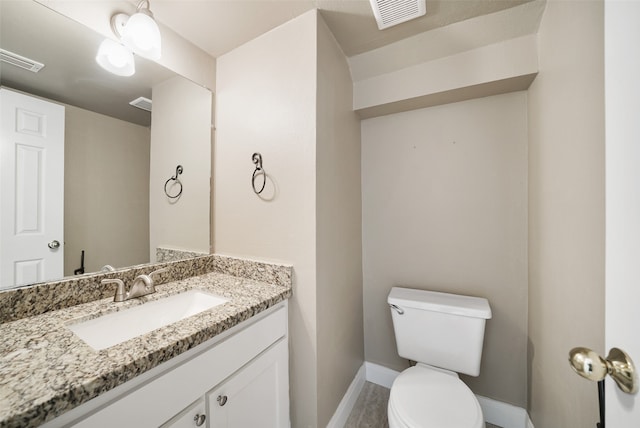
[[115, 58], [142, 35]]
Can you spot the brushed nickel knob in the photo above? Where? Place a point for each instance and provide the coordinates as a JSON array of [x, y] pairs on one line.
[[618, 365], [222, 400], [54, 245], [199, 419]]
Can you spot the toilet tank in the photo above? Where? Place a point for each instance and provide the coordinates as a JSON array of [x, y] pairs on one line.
[[439, 329]]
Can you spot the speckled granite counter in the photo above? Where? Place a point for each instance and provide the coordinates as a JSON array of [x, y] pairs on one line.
[[45, 370]]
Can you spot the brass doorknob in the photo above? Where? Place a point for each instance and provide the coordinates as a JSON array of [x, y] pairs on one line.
[[618, 365]]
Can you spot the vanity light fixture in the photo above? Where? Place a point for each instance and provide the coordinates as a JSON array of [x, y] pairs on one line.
[[115, 58], [139, 31]]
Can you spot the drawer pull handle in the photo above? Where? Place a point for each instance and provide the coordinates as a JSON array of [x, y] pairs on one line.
[[199, 419], [222, 400]]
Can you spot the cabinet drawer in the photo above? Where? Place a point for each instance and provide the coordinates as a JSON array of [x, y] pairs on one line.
[[158, 400]]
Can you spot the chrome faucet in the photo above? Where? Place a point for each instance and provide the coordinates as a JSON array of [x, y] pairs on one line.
[[142, 285]]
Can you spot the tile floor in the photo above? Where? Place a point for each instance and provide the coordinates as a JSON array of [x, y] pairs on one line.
[[370, 410]]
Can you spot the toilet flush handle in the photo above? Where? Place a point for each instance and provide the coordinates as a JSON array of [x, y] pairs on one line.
[[397, 308]]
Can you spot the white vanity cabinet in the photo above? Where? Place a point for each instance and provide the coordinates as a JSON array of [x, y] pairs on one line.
[[251, 397], [247, 365]]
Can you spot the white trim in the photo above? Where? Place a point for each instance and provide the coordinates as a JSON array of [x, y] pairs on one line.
[[348, 401], [495, 412], [380, 375], [503, 414]]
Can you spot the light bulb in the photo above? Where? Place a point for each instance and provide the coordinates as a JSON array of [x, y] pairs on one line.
[[142, 35], [115, 58]]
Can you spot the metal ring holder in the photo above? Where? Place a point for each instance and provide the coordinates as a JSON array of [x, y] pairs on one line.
[[179, 170], [257, 160]]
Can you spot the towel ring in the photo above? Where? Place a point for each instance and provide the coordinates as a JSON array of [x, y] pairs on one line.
[[175, 178], [257, 160]]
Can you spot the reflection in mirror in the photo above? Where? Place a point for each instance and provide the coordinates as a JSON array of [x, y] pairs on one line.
[[116, 157]]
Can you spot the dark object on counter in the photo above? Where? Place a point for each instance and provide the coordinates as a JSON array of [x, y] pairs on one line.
[[80, 270]]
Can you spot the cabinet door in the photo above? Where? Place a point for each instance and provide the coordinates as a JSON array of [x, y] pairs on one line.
[[191, 417], [255, 396]]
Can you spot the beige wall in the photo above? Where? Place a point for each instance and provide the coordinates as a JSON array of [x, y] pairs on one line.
[[106, 200], [339, 231], [266, 102], [506, 60], [445, 208], [566, 212], [180, 135]]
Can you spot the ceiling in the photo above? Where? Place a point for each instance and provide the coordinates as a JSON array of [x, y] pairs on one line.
[[219, 26], [216, 26]]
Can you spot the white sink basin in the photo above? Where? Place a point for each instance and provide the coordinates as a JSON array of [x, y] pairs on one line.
[[111, 329]]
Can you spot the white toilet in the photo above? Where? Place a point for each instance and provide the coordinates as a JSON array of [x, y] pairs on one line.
[[443, 333]]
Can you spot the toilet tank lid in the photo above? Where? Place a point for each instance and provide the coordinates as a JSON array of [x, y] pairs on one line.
[[476, 307]]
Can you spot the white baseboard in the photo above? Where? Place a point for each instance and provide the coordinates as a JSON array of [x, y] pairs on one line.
[[348, 401], [504, 414], [380, 375], [495, 412]]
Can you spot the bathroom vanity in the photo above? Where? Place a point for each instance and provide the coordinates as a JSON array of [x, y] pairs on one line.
[[224, 367], [238, 379]]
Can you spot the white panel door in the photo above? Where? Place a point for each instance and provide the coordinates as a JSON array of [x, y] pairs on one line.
[[31, 189], [622, 111]]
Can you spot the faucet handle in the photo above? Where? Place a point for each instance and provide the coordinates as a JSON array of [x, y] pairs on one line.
[[119, 296], [159, 271], [107, 268]]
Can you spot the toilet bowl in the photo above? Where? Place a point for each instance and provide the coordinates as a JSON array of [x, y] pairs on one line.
[[444, 333], [424, 397]]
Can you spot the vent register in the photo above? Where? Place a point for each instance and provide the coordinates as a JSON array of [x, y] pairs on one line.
[[142, 103], [20, 61], [393, 12]]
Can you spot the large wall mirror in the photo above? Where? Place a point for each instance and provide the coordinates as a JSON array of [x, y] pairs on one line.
[[117, 157]]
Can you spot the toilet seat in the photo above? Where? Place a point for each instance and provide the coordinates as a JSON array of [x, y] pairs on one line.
[[423, 397]]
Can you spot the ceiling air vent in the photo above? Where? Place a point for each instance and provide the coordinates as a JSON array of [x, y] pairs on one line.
[[393, 12], [142, 103], [20, 61]]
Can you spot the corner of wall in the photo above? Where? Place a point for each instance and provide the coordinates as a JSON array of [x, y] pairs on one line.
[[338, 227], [566, 211]]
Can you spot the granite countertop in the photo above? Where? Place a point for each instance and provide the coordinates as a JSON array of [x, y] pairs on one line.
[[46, 370]]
